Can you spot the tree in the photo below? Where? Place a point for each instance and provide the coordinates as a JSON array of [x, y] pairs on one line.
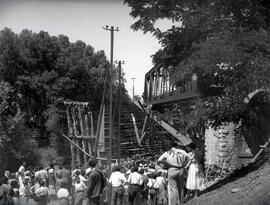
[[42, 71], [14, 133], [225, 43]]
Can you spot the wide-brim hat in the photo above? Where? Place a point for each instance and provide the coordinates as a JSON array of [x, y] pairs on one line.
[[184, 144]]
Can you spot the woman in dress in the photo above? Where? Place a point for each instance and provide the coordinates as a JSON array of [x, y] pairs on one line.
[[195, 177]]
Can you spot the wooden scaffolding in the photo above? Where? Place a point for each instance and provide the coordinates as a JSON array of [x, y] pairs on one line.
[[81, 134]]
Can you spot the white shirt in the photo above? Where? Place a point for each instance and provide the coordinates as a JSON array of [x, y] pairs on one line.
[[135, 178], [74, 172], [82, 178], [176, 157], [42, 191], [88, 170], [117, 179], [80, 186], [160, 181], [21, 169], [62, 193], [151, 183]]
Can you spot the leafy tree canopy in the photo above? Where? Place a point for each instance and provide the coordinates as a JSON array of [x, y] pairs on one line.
[[37, 73], [224, 42]]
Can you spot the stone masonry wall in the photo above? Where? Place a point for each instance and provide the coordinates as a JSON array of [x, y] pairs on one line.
[[222, 146]]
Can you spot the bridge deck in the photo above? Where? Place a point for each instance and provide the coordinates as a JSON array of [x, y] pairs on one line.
[[159, 87]]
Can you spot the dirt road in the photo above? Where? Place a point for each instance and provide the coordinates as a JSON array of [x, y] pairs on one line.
[[250, 188]]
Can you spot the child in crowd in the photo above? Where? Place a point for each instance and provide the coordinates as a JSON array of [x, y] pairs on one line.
[[161, 185], [152, 190], [42, 193], [24, 191], [14, 192], [80, 187], [52, 182], [63, 194]]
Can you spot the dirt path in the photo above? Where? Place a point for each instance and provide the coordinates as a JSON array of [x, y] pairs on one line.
[[250, 189]]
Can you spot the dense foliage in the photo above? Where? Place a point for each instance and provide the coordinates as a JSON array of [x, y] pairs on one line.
[[226, 43], [38, 72]]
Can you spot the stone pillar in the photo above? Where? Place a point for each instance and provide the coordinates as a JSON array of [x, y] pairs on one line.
[[222, 146]]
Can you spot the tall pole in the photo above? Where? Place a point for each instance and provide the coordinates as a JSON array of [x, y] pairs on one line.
[[119, 108], [133, 88], [112, 30]]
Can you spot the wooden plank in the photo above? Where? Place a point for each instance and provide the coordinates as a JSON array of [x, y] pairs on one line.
[[78, 147], [73, 115], [71, 103], [80, 110], [92, 124], [136, 129], [183, 139], [85, 160], [78, 152], [80, 120], [70, 133], [260, 151]]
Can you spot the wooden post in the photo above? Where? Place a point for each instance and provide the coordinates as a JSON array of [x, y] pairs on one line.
[[78, 153], [85, 127], [73, 114], [87, 130], [70, 133], [254, 159], [90, 146], [92, 124], [82, 133]]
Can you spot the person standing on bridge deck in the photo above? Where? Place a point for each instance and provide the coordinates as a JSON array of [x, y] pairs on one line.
[[176, 160]]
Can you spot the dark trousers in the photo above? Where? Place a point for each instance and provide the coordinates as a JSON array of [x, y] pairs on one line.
[[118, 195], [153, 196], [79, 198], [94, 201], [134, 194]]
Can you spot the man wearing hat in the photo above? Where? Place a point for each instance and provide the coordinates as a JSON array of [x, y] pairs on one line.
[[175, 159]]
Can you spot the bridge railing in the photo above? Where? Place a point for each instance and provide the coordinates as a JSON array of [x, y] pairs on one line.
[[159, 87]]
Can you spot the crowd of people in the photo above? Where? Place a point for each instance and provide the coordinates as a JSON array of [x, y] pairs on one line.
[[176, 176]]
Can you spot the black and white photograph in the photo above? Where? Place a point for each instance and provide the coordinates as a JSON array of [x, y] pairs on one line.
[[134, 102]]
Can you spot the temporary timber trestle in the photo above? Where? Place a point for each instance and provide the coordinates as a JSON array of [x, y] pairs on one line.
[[81, 133]]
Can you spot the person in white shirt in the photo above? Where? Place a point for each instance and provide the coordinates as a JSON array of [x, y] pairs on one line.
[[152, 190], [63, 194], [42, 193], [176, 160], [79, 187], [22, 169], [135, 180], [117, 180], [160, 185]]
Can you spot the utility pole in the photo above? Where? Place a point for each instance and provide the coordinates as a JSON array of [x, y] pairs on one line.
[[119, 107], [112, 30], [133, 88]]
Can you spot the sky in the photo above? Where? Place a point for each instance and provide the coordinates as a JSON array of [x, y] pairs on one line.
[[84, 20]]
